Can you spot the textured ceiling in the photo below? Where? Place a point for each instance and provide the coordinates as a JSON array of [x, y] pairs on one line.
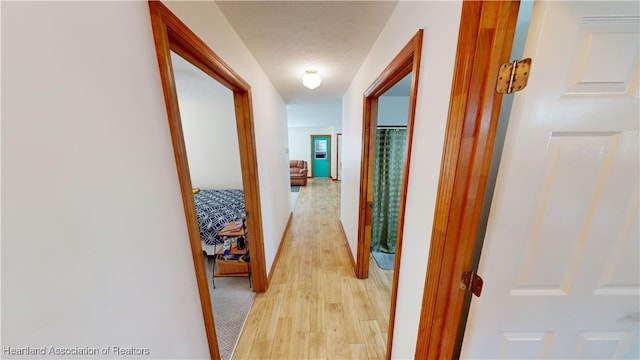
[[288, 37]]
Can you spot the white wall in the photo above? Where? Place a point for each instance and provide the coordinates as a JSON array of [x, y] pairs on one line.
[[299, 142], [269, 113], [393, 110], [208, 120], [440, 20], [319, 114], [94, 241]]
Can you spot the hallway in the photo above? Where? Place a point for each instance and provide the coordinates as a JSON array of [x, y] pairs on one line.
[[315, 307]]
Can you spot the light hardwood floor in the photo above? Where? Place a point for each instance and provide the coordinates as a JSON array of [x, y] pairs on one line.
[[315, 307]]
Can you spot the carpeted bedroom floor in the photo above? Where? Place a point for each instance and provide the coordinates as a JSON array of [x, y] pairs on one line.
[[231, 301]]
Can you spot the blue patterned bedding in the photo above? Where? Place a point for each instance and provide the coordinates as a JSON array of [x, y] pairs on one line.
[[216, 208]]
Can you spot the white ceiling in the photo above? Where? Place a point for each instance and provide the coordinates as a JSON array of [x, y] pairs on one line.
[[288, 37]]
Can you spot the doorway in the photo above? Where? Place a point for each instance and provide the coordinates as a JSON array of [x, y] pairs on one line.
[[390, 161], [484, 43], [320, 156], [465, 163], [170, 34], [207, 115], [405, 65], [570, 251]]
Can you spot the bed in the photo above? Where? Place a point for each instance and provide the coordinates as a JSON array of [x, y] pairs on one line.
[[214, 209]]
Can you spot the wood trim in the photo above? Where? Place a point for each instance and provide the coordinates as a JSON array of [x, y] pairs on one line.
[[277, 257], [338, 139], [484, 42], [172, 34], [311, 153], [407, 61], [346, 244], [370, 118], [251, 187]]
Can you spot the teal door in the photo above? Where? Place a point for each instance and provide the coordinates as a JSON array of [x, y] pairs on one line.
[[320, 155]]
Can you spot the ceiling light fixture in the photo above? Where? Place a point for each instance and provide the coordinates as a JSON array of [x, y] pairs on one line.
[[311, 79]]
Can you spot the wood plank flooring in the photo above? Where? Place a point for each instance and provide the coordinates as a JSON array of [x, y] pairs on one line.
[[315, 307]]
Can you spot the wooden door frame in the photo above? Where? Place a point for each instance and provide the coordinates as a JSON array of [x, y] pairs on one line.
[[313, 174], [171, 34], [485, 38], [338, 139], [406, 61]]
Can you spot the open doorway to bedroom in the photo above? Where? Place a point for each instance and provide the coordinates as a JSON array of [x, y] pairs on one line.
[[171, 35], [210, 137]]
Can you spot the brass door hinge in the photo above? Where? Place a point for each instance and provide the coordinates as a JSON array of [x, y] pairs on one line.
[[471, 282], [513, 76]]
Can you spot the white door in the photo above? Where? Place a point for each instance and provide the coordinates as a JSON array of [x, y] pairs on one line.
[[561, 255]]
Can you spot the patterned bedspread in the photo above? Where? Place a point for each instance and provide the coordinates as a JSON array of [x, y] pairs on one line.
[[216, 208]]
